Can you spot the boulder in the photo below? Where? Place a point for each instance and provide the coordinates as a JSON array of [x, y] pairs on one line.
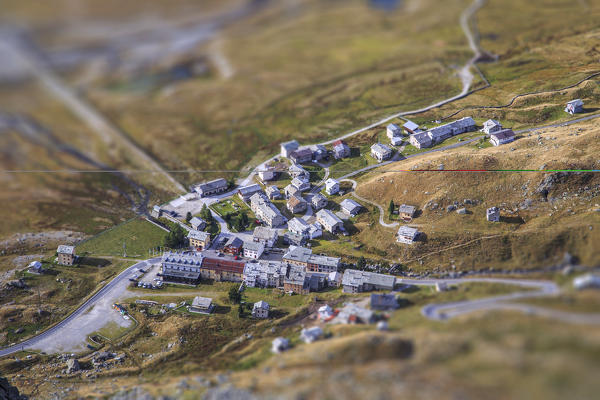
[[461, 211], [73, 366]]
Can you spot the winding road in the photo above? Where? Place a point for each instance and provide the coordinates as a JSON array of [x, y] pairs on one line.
[[536, 288], [69, 334]]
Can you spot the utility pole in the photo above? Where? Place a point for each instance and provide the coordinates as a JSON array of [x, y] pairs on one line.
[[124, 249]]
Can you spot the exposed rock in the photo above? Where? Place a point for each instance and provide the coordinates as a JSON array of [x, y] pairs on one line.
[[19, 284], [133, 394], [9, 392], [549, 182], [228, 393], [73, 366], [461, 211]]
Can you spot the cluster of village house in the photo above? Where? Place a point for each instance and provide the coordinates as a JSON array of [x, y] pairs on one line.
[[299, 271]]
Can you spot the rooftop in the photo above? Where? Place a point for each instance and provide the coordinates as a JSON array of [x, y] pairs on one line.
[[198, 235], [328, 217], [202, 302], [350, 205], [64, 249], [380, 148], [353, 277], [297, 253]]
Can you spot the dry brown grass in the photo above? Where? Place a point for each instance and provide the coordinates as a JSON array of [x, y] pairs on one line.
[[541, 238]]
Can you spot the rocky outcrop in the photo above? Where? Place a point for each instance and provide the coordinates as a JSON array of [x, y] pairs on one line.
[[9, 392], [73, 366]]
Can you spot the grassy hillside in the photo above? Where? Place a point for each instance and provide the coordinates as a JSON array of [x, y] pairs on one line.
[[537, 227], [138, 235]]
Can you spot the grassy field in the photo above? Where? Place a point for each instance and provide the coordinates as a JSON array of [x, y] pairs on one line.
[[347, 81], [55, 293], [138, 235]]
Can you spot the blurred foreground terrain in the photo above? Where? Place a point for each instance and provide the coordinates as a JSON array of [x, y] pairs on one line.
[[110, 107]]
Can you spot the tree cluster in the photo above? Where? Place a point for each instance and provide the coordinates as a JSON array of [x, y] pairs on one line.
[[234, 295], [239, 222], [176, 238]]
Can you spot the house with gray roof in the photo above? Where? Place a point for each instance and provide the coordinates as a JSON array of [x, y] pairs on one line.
[[298, 226], [290, 190], [296, 171], [319, 151], [247, 191], [315, 230], [319, 201], [407, 235], [297, 255], [350, 207], [197, 223], [266, 211], [260, 310], [354, 314], [294, 239], [491, 126], [66, 255], [300, 184], [201, 305], [406, 212], [181, 267], [288, 147], [393, 130], [267, 173], [411, 128], [420, 140], [443, 132], [574, 106], [212, 187], [341, 149], [301, 156], [296, 280], [279, 345], [253, 250], [332, 186], [502, 137], [266, 236], [493, 214], [322, 264], [380, 152], [355, 281], [329, 221], [273, 192], [309, 335], [396, 140], [199, 240]]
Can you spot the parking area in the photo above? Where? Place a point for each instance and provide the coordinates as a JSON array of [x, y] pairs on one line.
[[150, 277]]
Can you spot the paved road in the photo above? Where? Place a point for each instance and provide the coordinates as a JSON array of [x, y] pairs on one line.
[[537, 288], [71, 332]]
